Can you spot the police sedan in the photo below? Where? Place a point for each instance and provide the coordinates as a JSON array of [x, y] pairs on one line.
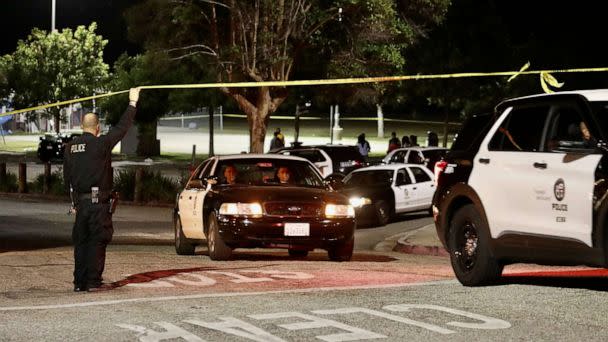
[[262, 200], [379, 192]]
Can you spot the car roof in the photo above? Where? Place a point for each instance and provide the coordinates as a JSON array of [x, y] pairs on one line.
[[420, 148], [258, 155], [589, 94], [392, 167]]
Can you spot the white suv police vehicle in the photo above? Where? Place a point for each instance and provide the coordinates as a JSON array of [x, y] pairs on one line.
[[527, 184]]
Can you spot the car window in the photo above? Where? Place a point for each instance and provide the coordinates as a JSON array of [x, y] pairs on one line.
[[268, 171], [339, 153], [369, 177], [473, 130], [414, 158], [521, 130], [198, 173], [398, 157], [567, 130], [419, 174], [313, 156], [402, 174]]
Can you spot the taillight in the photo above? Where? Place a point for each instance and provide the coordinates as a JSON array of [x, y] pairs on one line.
[[439, 168]]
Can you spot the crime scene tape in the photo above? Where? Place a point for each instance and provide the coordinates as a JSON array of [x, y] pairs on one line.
[[544, 74]]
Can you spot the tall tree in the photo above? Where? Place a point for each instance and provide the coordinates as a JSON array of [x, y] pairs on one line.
[[56, 66], [262, 40]]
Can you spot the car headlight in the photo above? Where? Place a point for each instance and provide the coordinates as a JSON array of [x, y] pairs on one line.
[[245, 209], [339, 210], [358, 202]]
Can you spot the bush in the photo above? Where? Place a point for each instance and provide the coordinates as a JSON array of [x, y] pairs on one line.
[[56, 186], [155, 187], [9, 184]]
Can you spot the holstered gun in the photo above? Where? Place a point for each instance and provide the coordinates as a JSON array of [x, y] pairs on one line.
[[114, 195], [72, 209]]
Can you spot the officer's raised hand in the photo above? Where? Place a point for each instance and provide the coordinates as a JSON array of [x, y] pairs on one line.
[[134, 96]]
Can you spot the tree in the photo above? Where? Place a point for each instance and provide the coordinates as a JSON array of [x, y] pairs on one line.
[[56, 66], [262, 40]]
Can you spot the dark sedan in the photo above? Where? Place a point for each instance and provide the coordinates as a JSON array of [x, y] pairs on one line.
[[51, 146], [250, 201]]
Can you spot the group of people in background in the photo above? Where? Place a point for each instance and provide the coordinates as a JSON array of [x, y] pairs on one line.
[[406, 141]]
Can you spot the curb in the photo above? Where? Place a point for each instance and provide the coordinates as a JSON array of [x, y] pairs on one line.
[[421, 241]]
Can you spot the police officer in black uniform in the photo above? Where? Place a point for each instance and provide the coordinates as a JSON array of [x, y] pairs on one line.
[[88, 172]]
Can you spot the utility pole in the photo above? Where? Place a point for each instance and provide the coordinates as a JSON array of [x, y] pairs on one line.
[[53, 10]]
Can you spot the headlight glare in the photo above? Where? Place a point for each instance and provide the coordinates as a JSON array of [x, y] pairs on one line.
[[339, 210], [358, 202], [245, 209]]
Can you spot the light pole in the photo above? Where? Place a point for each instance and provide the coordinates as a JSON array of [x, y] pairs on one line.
[[53, 7]]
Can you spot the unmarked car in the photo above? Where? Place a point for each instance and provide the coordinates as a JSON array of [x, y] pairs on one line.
[[379, 192], [262, 200]]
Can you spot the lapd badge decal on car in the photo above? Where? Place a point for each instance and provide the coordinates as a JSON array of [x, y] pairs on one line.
[[559, 189]]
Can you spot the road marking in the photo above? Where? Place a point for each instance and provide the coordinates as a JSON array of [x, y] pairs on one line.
[[219, 295], [236, 327]]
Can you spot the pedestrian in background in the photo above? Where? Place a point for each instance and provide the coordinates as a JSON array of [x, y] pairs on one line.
[[405, 141], [88, 174], [278, 140], [393, 142], [363, 146]]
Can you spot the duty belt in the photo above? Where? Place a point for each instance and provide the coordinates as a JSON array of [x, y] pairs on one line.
[[104, 196]]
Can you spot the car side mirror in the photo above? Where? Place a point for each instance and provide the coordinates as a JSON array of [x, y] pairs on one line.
[[212, 180], [195, 184]]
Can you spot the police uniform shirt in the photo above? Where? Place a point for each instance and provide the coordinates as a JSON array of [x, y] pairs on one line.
[[88, 159]]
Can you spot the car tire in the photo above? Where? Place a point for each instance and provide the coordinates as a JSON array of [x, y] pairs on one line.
[[383, 213], [470, 254], [298, 253], [182, 245], [342, 251], [218, 250]]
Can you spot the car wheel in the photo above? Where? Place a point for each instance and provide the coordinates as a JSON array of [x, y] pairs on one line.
[[218, 250], [470, 254], [182, 245], [342, 251], [383, 213], [298, 253]]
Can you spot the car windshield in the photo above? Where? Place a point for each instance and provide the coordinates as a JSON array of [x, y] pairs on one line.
[[267, 171], [371, 177]]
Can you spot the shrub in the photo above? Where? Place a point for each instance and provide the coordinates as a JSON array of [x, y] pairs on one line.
[[56, 186], [155, 187], [9, 184]]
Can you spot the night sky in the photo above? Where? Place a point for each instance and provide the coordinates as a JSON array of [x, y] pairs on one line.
[[555, 26]]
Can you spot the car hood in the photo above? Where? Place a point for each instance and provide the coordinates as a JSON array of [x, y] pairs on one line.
[[279, 194]]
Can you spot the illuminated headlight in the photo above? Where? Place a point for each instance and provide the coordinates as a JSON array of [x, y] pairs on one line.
[[245, 209], [358, 202], [339, 210]]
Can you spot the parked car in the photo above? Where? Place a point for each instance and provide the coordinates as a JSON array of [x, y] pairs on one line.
[[379, 192], [427, 156], [262, 200], [51, 146], [528, 184], [329, 159]]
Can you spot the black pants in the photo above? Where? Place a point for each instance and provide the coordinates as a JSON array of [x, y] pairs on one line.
[[91, 234]]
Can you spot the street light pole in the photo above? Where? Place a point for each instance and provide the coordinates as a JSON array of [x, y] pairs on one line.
[[53, 7]]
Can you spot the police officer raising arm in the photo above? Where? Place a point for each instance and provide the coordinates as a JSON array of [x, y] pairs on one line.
[[87, 170]]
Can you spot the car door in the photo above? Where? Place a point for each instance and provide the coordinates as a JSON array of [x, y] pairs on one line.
[[423, 187], [191, 202], [403, 189]]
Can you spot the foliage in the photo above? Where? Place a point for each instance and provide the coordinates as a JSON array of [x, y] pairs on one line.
[[56, 186], [56, 66], [9, 184], [264, 40], [155, 187]]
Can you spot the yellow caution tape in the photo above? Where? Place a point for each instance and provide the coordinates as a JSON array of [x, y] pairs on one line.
[[546, 80], [523, 68], [318, 82]]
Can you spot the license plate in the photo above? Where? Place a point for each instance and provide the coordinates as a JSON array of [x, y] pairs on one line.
[[49, 147], [297, 229], [346, 163]]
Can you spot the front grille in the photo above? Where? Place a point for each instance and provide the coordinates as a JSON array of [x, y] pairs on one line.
[[293, 209]]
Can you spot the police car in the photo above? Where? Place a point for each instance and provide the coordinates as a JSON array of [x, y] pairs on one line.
[[51, 146], [526, 184], [379, 192], [427, 156], [329, 159]]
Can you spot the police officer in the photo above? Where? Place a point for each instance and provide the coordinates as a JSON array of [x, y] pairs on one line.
[[88, 172]]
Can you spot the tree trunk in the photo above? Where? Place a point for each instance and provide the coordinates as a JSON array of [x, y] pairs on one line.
[[445, 128], [148, 145], [258, 124]]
